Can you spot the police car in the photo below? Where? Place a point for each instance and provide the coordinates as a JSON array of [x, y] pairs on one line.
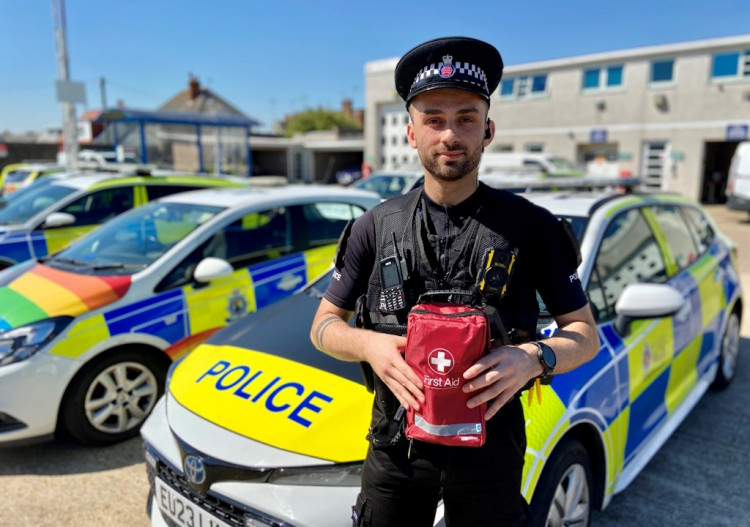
[[87, 334], [47, 215], [20, 175], [258, 428]]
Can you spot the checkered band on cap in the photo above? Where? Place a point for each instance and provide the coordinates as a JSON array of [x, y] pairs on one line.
[[464, 72]]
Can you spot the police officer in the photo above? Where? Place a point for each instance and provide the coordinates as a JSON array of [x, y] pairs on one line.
[[439, 233]]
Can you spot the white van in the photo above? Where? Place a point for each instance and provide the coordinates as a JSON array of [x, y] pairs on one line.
[[738, 186], [545, 165]]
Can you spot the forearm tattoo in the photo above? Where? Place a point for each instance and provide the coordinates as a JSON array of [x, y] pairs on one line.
[[327, 321]]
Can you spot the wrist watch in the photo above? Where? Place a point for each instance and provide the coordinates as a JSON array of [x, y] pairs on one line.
[[546, 356]]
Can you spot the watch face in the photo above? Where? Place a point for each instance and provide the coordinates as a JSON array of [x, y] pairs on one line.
[[549, 356]]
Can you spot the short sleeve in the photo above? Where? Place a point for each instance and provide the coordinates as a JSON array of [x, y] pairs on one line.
[[354, 266], [555, 262]]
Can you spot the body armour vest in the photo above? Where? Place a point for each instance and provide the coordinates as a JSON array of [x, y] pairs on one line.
[[439, 263]]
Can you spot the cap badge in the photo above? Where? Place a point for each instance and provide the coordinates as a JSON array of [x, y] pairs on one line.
[[446, 68]]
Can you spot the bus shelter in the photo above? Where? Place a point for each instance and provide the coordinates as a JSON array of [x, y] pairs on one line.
[[192, 120]]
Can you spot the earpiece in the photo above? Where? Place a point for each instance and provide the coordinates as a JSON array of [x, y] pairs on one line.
[[487, 131]]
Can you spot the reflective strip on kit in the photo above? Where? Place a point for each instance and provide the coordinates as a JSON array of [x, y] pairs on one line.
[[460, 429]]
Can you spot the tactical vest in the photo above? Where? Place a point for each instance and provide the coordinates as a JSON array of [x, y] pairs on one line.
[[434, 263]]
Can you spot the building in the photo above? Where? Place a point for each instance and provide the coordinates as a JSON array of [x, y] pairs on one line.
[[672, 114]]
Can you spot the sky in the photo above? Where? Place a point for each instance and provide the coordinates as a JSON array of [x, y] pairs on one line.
[[273, 58]]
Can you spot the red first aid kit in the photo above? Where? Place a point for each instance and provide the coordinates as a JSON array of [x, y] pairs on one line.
[[443, 340]]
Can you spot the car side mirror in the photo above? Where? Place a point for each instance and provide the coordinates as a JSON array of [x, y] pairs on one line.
[[210, 269], [58, 219], [639, 301]]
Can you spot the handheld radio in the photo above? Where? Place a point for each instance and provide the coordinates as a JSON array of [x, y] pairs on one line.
[[393, 272]]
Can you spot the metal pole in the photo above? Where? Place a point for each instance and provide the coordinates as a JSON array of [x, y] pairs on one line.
[[70, 129]]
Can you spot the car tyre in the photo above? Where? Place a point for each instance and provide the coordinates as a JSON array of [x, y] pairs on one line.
[[110, 398], [563, 494], [729, 354]]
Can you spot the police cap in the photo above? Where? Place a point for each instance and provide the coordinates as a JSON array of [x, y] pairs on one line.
[[450, 62]]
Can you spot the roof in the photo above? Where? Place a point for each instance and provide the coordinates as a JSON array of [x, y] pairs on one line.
[[175, 117], [206, 101], [582, 203], [87, 180], [250, 195]]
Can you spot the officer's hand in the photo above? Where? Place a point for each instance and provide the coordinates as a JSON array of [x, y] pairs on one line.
[[384, 353], [500, 375]]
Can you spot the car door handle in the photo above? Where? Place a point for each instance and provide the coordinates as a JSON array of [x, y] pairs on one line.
[[289, 282]]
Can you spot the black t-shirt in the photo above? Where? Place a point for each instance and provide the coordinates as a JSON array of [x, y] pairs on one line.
[[546, 262]]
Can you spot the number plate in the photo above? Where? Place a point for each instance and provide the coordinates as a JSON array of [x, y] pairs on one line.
[[183, 511]]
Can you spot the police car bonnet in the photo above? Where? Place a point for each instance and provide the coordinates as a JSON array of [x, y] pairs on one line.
[[450, 62]]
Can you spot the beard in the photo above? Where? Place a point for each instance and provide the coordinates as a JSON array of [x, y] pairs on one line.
[[451, 170]]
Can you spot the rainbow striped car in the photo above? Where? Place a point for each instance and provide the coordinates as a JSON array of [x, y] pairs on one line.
[[258, 428], [87, 334]]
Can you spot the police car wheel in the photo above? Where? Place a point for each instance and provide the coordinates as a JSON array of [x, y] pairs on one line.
[[730, 349], [563, 494], [110, 398]]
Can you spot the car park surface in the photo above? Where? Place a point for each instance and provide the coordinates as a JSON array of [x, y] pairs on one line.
[[49, 214], [663, 343], [89, 333], [52, 484]]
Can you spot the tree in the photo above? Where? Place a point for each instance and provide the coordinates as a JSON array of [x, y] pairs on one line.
[[318, 119]]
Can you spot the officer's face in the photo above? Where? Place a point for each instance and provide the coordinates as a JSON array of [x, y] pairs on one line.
[[447, 128]]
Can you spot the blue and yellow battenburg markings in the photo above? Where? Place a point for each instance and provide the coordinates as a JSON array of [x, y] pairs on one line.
[[275, 401], [177, 315], [635, 383]]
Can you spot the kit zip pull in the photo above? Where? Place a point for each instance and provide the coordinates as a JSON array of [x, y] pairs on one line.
[[408, 452]]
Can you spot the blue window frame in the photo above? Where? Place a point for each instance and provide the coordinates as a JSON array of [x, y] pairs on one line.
[[539, 84], [524, 86], [591, 78], [603, 77], [725, 65], [614, 76], [662, 70], [506, 88]]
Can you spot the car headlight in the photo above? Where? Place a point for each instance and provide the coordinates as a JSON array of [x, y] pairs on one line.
[[340, 475], [20, 343]]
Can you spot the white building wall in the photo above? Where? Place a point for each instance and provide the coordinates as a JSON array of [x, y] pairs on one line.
[[686, 113]]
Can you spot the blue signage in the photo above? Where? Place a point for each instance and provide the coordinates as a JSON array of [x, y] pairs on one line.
[[598, 136], [736, 132]]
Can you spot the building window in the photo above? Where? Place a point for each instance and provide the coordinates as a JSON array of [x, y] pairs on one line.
[[406, 140], [406, 119], [524, 86], [731, 65], [503, 148], [603, 77], [394, 140], [662, 71], [534, 147], [382, 140]]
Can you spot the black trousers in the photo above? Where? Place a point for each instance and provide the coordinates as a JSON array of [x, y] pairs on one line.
[[479, 486]]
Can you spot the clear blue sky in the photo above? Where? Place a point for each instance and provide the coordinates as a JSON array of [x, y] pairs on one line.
[[272, 58]]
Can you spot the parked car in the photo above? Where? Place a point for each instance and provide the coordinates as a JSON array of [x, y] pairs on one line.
[[87, 334], [46, 218], [259, 428], [390, 184], [738, 185], [19, 175], [532, 163]]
